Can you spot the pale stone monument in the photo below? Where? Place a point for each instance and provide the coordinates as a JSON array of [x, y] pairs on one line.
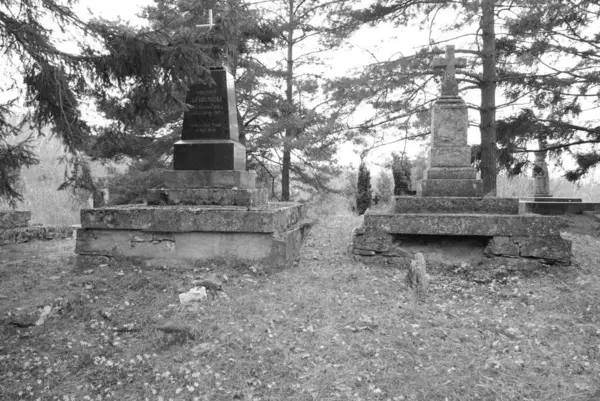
[[450, 203], [541, 179], [449, 171], [541, 200]]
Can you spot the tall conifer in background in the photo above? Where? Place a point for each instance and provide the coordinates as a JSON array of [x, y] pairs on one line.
[[363, 194]]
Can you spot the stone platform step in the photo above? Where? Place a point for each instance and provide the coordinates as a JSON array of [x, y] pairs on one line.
[[548, 199], [208, 196], [224, 179], [449, 205], [488, 225], [270, 218], [555, 208], [450, 187]]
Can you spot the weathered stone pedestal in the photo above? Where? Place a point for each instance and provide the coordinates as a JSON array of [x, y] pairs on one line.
[[503, 232], [209, 206], [556, 206], [199, 215], [449, 171], [271, 234], [450, 206]]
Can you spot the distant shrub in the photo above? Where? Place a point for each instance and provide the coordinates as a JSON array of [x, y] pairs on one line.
[[130, 187], [385, 186], [327, 204], [363, 194], [401, 171]]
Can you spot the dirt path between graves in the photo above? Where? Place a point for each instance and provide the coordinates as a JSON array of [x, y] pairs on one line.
[[327, 329]]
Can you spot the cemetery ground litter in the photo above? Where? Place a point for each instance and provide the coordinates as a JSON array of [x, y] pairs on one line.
[[329, 328]]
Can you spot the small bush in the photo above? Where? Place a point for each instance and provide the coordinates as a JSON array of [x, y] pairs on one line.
[[401, 171], [385, 186], [130, 187]]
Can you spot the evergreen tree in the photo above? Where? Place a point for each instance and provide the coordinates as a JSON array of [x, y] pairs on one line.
[[363, 194], [115, 57], [303, 130]]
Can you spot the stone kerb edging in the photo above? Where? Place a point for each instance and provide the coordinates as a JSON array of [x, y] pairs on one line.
[[14, 219], [33, 233]]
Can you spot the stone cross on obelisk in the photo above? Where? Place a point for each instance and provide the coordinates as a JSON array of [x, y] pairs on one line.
[[210, 21], [449, 171], [449, 64]]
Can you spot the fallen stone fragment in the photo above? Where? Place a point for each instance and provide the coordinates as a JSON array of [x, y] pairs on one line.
[[364, 252], [196, 294], [416, 277], [29, 317], [127, 328]]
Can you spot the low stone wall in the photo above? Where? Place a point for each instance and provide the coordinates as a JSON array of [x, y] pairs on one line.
[[14, 218], [26, 234]]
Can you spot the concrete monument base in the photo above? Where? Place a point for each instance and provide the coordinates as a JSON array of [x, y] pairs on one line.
[[501, 231], [271, 235]]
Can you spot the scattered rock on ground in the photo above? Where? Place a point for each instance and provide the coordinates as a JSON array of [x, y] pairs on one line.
[[196, 294]]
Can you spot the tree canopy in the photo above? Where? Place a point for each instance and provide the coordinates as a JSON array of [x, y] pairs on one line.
[[544, 65], [54, 82], [533, 67]]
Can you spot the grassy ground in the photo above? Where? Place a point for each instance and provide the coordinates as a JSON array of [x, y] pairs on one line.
[[327, 329]]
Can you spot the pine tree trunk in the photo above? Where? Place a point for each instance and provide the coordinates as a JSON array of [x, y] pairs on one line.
[[289, 132], [488, 100]]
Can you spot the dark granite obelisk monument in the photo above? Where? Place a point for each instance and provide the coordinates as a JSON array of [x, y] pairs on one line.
[[209, 166], [209, 207], [209, 161], [449, 171]]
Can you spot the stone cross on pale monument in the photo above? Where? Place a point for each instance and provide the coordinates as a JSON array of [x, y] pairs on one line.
[[210, 21], [541, 179], [449, 64], [449, 171]]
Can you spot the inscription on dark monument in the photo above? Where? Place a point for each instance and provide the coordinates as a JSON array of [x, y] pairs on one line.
[[212, 113]]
